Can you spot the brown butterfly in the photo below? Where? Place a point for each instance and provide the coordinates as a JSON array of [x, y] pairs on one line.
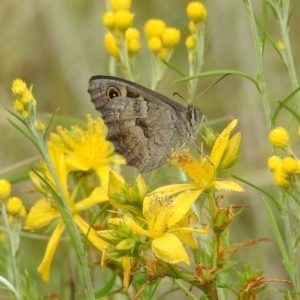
[[143, 125]]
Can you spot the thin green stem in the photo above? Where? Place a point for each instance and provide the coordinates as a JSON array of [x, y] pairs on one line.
[[212, 210], [14, 239], [259, 61], [67, 216], [283, 18], [185, 290]]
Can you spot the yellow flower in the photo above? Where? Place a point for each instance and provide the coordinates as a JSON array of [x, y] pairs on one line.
[[25, 104], [44, 211], [40, 126], [280, 180], [164, 53], [289, 166], [196, 11], [132, 37], [280, 45], [87, 150], [190, 42], [165, 218], [123, 20], [117, 5], [279, 137], [154, 28], [274, 163], [15, 207], [192, 27], [18, 105], [18, 87], [111, 46], [299, 130], [204, 172], [5, 188], [27, 97], [171, 37], [155, 44], [25, 114], [108, 20]]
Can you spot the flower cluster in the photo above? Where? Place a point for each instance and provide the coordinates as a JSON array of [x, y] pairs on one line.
[[197, 14], [25, 104], [122, 41], [13, 206], [161, 39], [286, 170], [82, 156], [150, 225]]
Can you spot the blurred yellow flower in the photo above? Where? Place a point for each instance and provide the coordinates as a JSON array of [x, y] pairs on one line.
[[5, 188], [280, 45], [27, 97], [25, 104], [192, 27], [155, 44], [15, 207], [154, 28], [123, 20], [196, 11], [290, 166], [108, 20], [274, 163], [280, 180], [18, 87], [171, 37], [132, 37], [190, 42], [117, 5], [40, 126], [279, 137], [111, 46]]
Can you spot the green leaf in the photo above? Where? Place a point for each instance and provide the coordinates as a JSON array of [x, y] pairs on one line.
[[220, 72]]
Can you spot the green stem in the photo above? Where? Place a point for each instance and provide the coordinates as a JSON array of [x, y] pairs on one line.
[[67, 216], [124, 59], [259, 61], [212, 210], [14, 239], [283, 17], [185, 290]]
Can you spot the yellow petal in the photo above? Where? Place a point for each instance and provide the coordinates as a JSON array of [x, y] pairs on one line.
[[221, 144], [173, 189], [92, 237], [98, 195], [40, 215], [116, 183], [231, 151], [44, 267], [142, 186], [227, 186], [126, 263], [168, 248], [181, 205]]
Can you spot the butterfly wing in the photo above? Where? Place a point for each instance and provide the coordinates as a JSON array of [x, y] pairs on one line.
[[142, 127]]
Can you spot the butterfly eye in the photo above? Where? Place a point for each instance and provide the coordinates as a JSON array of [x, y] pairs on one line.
[[112, 92]]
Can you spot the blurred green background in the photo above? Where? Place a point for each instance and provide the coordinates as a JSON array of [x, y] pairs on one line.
[[58, 45]]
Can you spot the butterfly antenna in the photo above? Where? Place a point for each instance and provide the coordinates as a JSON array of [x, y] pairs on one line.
[[208, 88]]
